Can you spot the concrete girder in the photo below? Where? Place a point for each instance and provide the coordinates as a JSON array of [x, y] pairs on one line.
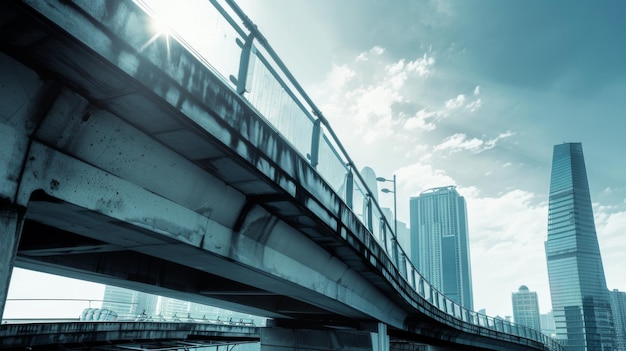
[[97, 137], [265, 252], [24, 100]]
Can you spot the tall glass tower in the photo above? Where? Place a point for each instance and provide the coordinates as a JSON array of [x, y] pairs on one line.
[[440, 242], [526, 308], [580, 299]]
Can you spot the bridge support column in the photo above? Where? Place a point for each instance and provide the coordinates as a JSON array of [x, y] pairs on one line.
[[11, 221], [380, 340], [285, 339]]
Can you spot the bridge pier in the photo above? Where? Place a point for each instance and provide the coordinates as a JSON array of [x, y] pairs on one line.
[[284, 338], [11, 221]]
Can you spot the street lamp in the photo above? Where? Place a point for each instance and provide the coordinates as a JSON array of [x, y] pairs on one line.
[[385, 190]]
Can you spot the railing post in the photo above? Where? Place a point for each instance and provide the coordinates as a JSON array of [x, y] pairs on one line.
[[395, 251], [349, 188], [382, 229], [244, 65], [315, 144], [368, 213]]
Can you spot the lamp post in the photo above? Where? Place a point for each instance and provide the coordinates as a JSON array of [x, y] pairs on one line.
[[385, 190]]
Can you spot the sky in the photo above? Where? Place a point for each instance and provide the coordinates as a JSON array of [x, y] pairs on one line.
[[473, 94]]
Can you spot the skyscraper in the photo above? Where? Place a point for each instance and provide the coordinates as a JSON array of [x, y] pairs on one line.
[[128, 303], [618, 307], [580, 299], [440, 242], [526, 308]]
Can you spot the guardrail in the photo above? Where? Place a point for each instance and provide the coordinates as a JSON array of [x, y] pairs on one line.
[[257, 73], [84, 310]]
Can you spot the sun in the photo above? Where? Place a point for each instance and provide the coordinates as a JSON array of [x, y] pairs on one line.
[[161, 25]]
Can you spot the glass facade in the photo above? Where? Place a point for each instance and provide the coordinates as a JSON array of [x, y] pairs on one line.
[[526, 308], [128, 303], [440, 242], [618, 307], [580, 301]]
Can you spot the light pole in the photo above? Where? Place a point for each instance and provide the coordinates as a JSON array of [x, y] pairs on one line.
[[385, 190]]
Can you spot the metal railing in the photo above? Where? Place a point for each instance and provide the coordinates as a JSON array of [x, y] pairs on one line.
[[90, 310], [269, 87]]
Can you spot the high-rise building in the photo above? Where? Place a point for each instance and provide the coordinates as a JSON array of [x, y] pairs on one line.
[[547, 324], [440, 242], [128, 303], [618, 307], [580, 299], [526, 308]]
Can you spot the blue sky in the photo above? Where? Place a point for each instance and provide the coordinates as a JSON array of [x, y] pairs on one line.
[[473, 94]]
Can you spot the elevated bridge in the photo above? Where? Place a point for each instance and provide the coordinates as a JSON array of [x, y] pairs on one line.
[[128, 158]]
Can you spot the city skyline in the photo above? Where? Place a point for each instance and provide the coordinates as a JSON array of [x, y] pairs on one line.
[[580, 298], [430, 84]]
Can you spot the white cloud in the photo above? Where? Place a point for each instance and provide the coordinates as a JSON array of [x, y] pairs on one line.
[[456, 102], [474, 105], [375, 51], [477, 90], [363, 98], [611, 231], [461, 101], [422, 65], [339, 76], [421, 121], [460, 141]]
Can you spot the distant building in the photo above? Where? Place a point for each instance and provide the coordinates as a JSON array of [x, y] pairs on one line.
[[369, 176], [128, 303], [547, 324], [580, 299], [618, 307], [169, 307], [526, 308], [404, 237], [440, 242]]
